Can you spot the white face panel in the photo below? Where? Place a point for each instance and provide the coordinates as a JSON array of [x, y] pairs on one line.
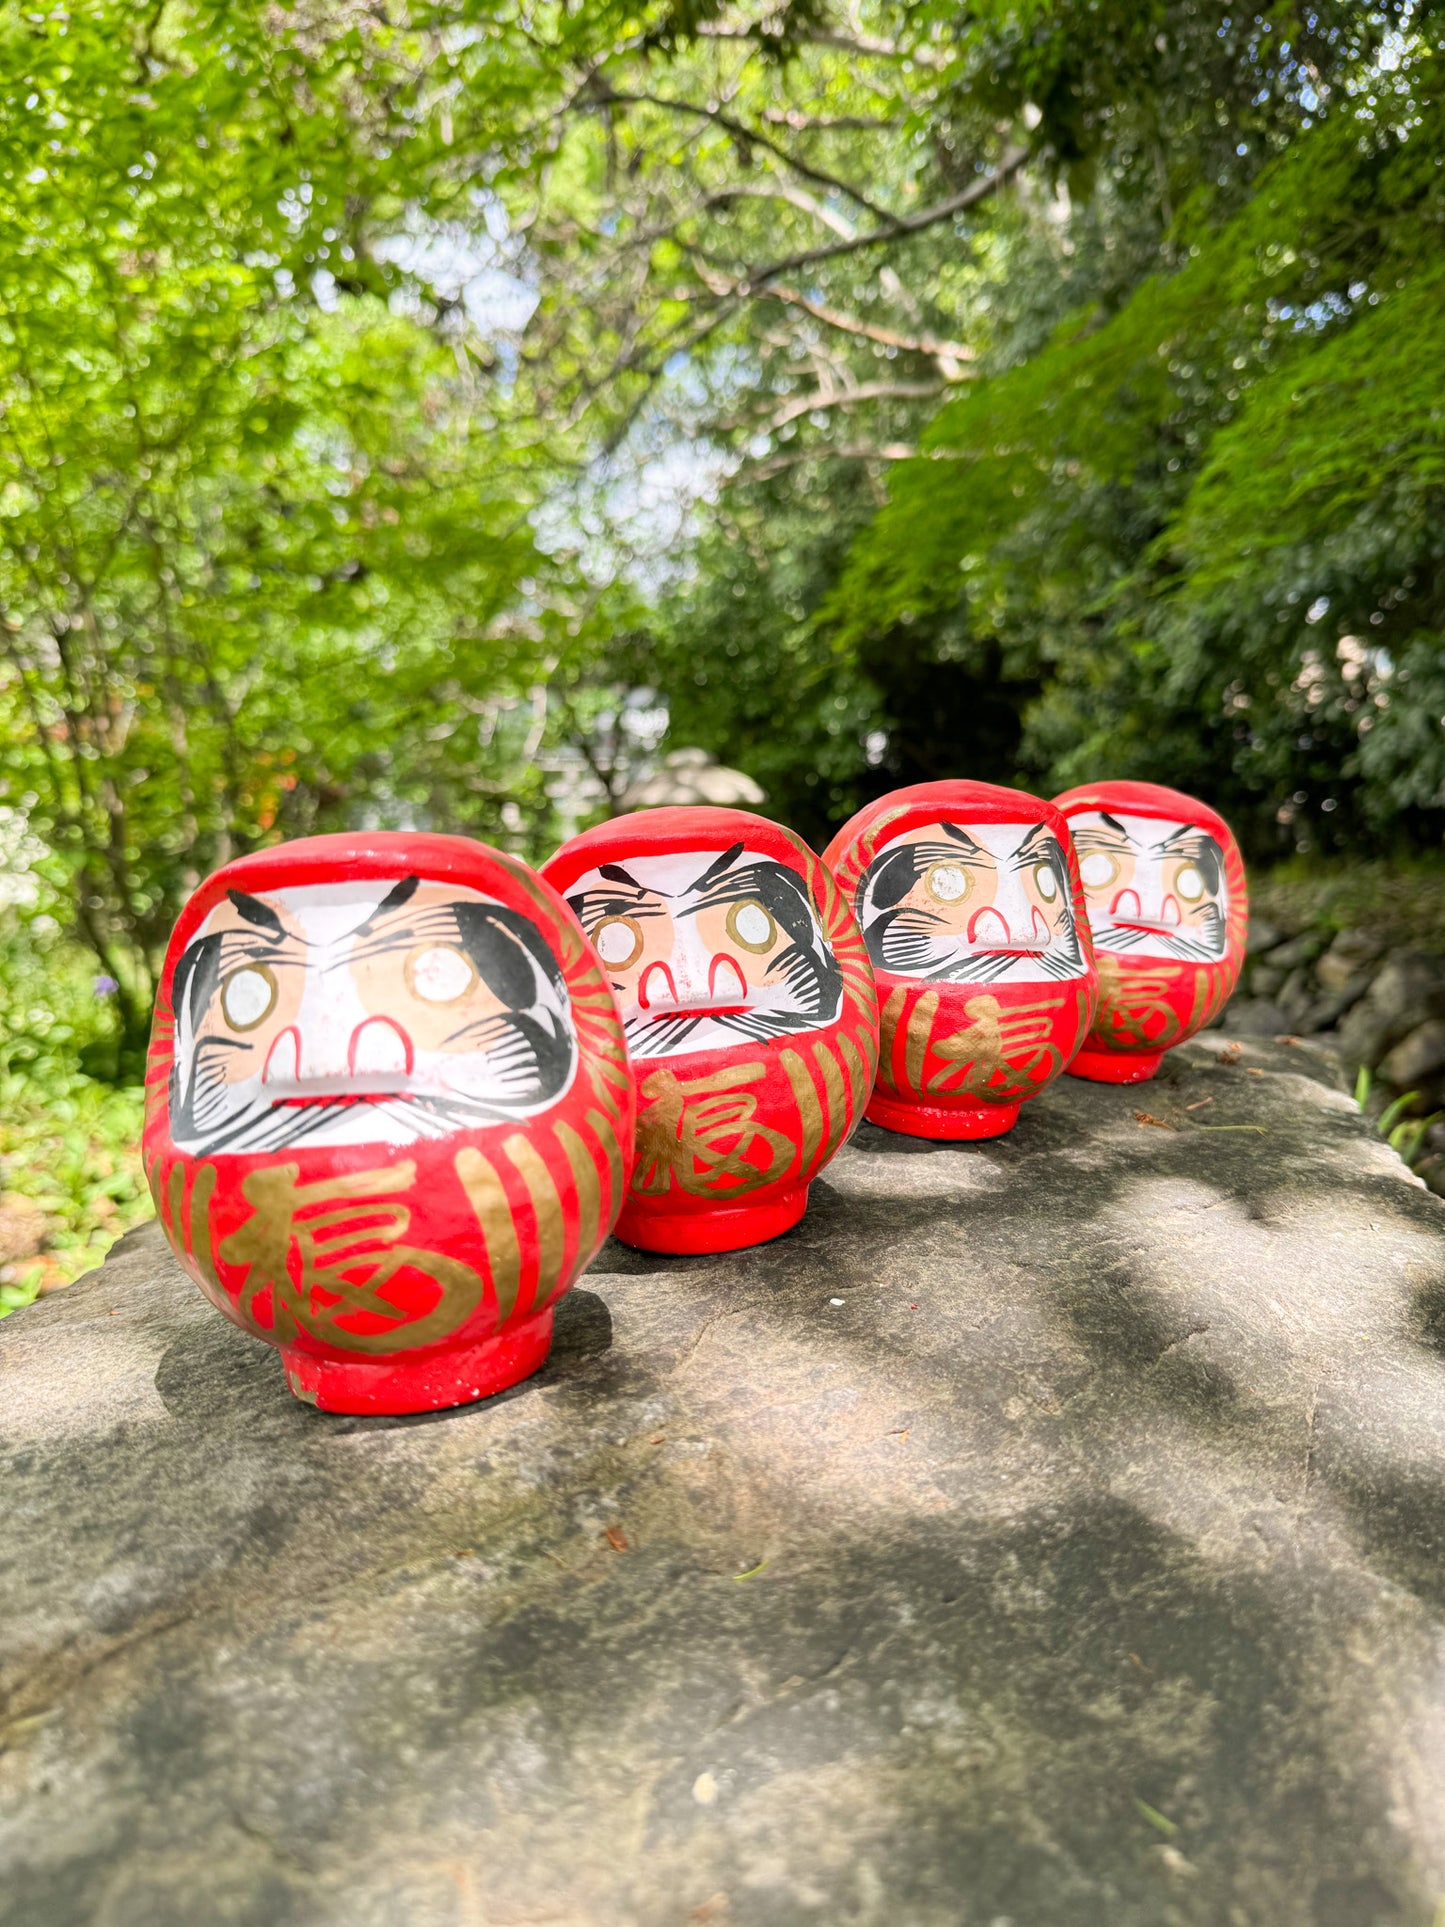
[[363, 1012], [971, 903], [708, 950], [1153, 889]]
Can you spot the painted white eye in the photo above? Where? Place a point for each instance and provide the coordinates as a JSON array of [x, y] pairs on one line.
[[618, 942], [1098, 869], [1189, 884], [1047, 882], [948, 882], [248, 996], [751, 925], [439, 973]]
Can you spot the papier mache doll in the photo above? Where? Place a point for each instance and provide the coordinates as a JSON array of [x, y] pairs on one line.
[[1165, 890], [749, 1010], [389, 1116], [969, 901]]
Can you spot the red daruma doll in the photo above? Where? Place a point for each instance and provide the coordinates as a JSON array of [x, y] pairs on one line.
[[388, 1113], [969, 901], [750, 1014], [1164, 885]]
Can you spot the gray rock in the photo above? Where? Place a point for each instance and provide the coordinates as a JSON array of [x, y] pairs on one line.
[[1296, 994], [1346, 956], [1409, 987], [1265, 979], [1112, 1489], [691, 776], [1253, 1017], [1416, 1057], [1299, 950], [1262, 936], [1326, 1011]]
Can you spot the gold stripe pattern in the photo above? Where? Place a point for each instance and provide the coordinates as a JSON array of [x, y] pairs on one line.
[[547, 1207], [860, 1077], [920, 1029], [591, 1225], [607, 1137], [488, 1199], [836, 1096], [810, 1113], [198, 1224]]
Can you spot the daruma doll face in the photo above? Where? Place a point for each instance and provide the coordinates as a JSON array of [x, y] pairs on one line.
[[1164, 884], [985, 904], [749, 1013], [709, 948], [388, 1113], [970, 908], [363, 1012]]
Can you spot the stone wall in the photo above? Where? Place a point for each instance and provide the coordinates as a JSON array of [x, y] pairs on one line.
[[1378, 1006]]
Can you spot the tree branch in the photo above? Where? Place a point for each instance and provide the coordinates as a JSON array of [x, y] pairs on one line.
[[741, 132], [820, 400], [953, 351], [1009, 165], [844, 452], [828, 452], [869, 46]]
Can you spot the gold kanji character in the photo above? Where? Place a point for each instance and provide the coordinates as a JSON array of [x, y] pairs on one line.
[[326, 1251], [1001, 1053], [1134, 1007], [700, 1130]]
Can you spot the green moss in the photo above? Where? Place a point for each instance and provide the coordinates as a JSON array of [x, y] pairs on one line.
[[1403, 902]]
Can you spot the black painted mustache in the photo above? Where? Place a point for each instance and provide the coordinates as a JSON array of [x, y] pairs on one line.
[[532, 1062]]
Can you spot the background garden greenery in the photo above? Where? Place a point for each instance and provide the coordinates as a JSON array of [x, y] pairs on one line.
[[408, 412]]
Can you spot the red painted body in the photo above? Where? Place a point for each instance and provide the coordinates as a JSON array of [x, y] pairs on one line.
[[958, 1059], [730, 1136], [1148, 1004], [401, 1276]]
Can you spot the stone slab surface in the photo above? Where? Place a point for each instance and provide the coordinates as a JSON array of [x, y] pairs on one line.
[[1085, 1564]]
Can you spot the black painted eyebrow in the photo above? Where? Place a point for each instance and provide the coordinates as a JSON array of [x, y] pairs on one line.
[[962, 836], [610, 903], [924, 854], [256, 912], [1177, 842], [714, 870], [1085, 832], [399, 894], [1039, 830], [437, 921], [615, 873], [1115, 825]]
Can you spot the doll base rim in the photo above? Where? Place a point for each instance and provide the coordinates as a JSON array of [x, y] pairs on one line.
[[696, 1234], [1116, 1066], [394, 1387], [953, 1125]]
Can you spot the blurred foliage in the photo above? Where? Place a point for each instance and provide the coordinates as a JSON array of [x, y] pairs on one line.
[[266, 565], [1400, 901], [70, 1167], [1207, 522]]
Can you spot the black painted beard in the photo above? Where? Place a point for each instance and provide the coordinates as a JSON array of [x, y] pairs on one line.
[[904, 949], [662, 1036]]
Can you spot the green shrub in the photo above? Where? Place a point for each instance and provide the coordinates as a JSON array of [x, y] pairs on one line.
[[69, 1139]]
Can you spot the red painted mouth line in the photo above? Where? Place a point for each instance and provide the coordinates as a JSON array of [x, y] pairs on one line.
[[1153, 929], [339, 1097], [697, 1010]]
